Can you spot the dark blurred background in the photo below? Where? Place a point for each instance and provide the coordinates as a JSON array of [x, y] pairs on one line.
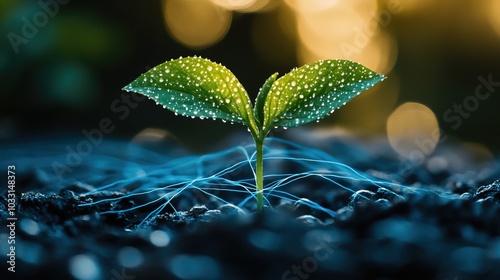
[[63, 63]]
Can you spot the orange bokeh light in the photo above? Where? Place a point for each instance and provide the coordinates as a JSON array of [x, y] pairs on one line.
[[246, 6], [345, 30], [413, 128], [494, 15], [196, 24]]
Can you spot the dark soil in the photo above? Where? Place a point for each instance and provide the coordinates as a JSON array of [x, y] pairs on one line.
[[444, 225]]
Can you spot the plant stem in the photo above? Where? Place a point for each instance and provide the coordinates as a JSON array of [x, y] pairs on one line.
[[259, 173]]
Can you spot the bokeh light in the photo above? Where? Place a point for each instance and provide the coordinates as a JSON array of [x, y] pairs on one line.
[[84, 267], [311, 5], [56, 80], [411, 128], [29, 226], [494, 15], [150, 135], [194, 267], [130, 257], [196, 24], [246, 6], [480, 152], [344, 30], [159, 238], [411, 6]]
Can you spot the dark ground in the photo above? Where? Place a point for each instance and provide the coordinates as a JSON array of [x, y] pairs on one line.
[[444, 225]]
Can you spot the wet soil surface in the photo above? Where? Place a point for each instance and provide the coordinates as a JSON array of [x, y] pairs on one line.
[[437, 221]]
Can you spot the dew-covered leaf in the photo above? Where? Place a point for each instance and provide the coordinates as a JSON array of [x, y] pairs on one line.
[[258, 110], [313, 91], [196, 87]]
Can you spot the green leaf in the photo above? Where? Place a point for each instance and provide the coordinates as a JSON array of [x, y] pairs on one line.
[[258, 110], [196, 87], [313, 91]]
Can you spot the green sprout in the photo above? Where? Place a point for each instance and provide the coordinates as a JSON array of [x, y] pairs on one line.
[[197, 87]]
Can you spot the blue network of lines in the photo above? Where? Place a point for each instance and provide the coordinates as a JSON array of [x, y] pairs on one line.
[[158, 180]]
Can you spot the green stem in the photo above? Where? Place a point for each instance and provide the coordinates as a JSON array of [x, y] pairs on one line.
[[259, 173]]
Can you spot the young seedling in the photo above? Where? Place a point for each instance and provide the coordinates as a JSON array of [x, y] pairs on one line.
[[197, 87]]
